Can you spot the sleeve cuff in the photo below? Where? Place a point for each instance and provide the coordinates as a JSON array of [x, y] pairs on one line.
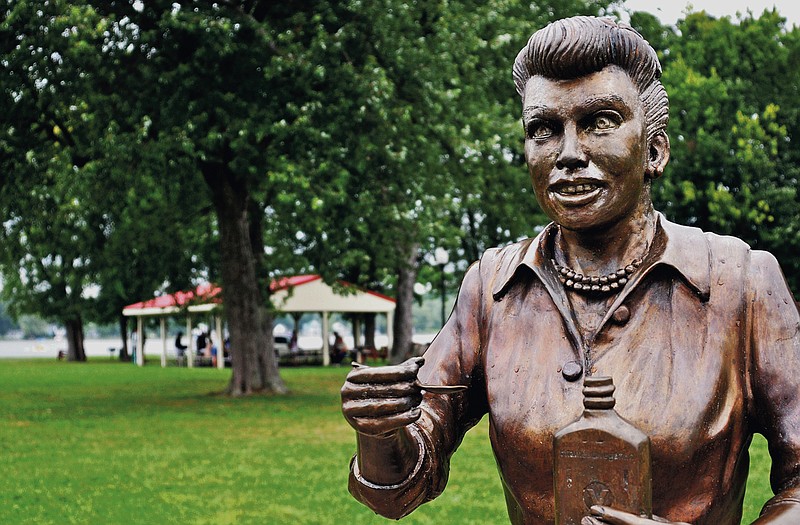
[[415, 473], [397, 500]]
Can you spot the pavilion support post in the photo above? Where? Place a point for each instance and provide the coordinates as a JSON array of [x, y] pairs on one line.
[[390, 330], [190, 343], [163, 342], [357, 331], [220, 342], [357, 337], [326, 356], [139, 341]]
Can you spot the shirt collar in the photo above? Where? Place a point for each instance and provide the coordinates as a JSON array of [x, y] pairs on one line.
[[683, 248]]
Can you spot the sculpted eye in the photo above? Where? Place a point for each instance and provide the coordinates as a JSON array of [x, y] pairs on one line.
[[605, 121], [538, 130]]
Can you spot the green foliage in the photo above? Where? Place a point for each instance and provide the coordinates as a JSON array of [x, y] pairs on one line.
[[161, 450], [46, 228], [358, 130], [419, 141], [91, 223], [733, 88]]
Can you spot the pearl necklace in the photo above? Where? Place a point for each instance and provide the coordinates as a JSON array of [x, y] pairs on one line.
[[613, 282]]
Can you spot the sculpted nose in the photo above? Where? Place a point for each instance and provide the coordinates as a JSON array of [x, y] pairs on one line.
[[572, 155]]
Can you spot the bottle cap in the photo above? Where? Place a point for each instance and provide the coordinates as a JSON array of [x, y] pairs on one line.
[[598, 392]]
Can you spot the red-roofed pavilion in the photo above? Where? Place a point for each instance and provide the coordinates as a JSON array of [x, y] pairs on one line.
[[296, 294]]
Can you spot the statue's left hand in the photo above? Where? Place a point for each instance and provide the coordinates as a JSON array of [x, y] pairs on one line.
[[607, 516]]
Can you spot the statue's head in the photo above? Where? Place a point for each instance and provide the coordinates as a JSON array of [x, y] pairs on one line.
[[594, 114], [574, 47]]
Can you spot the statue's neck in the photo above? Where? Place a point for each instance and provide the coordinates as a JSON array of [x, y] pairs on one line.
[[607, 249]]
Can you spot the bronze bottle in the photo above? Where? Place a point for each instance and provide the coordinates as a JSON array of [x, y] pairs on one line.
[[600, 459]]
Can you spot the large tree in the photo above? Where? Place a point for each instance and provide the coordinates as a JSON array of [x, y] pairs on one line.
[[216, 81], [50, 235], [91, 223]]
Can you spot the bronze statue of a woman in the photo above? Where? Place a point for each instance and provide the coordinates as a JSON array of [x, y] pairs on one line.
[[699, 332]]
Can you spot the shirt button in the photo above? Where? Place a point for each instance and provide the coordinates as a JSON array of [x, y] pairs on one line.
[[621, 315], [572, 371]]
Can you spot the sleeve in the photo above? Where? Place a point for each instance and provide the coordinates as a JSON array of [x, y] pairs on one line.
[[775, 384], [453, 358]]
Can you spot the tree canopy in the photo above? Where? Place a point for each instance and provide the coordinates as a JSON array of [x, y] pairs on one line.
[[733, 87], [90, 221], [147, 145]]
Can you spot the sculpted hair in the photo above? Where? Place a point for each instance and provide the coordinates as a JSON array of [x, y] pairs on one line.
[[577, 46]]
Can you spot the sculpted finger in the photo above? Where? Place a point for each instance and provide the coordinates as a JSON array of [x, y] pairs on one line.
[[588, 520], [376, 426], [379, 407], [617, 517], [405, 371], [374, 391]]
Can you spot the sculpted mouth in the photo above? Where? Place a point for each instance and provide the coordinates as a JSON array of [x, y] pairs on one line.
[[576, 189], [572, 189], [576, 193]]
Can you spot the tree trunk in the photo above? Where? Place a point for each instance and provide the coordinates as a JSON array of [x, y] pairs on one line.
[[369, 330], [253, 364], [124, 354], [403, 321], [75, 350], [267, 360]]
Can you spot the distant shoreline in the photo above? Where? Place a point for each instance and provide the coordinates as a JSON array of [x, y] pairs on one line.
[[49, 348]]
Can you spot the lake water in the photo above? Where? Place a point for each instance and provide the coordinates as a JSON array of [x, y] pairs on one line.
[[49, 348]]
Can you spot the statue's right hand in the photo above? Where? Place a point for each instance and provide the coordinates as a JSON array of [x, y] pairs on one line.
[[379, 400]]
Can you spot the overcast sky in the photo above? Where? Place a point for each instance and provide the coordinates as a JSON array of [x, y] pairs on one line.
[[670, 10]]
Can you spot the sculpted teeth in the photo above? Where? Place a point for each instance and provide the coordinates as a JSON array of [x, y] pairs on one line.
[[577, 189]]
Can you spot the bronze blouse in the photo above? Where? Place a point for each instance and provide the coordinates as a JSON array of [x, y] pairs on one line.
[[703, 345]]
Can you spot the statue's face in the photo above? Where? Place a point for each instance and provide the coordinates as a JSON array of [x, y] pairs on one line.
[[586, 148]]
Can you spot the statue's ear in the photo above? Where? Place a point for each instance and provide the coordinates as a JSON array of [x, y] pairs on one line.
[[657, 156]]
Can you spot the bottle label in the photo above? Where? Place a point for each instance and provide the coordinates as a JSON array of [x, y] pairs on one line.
[[598, 473]]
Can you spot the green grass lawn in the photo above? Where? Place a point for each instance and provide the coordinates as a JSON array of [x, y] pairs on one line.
[[109, 443]]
